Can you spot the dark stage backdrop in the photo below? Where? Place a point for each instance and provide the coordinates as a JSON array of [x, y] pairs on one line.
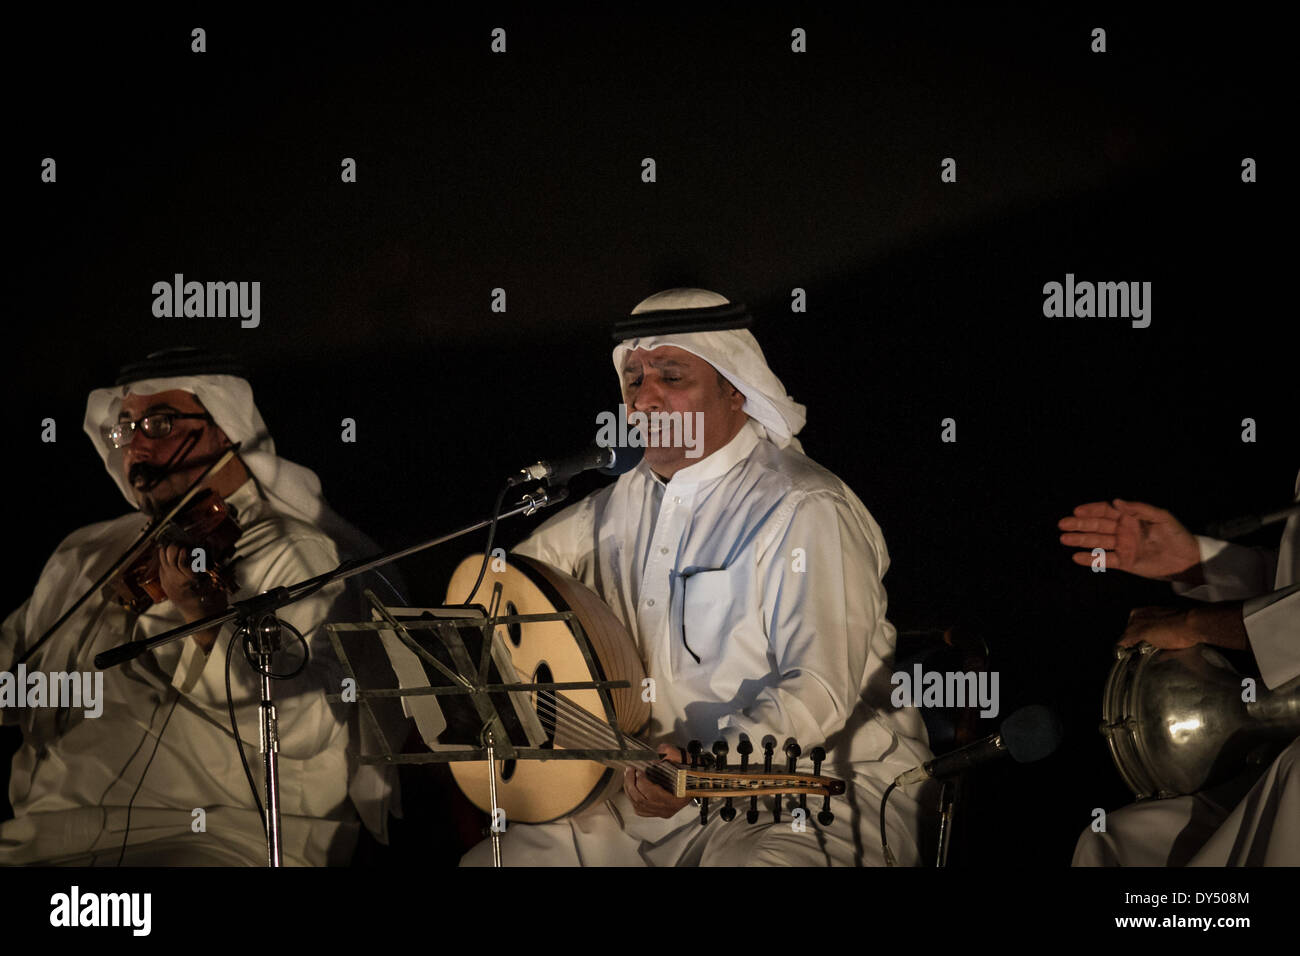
[[775, 170]]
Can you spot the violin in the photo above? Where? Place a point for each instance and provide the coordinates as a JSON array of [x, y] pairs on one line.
[[145, 588], [205, 522]]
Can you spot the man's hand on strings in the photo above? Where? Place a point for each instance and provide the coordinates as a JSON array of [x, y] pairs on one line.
[[1138, 538], [648, 798], [193, 595]]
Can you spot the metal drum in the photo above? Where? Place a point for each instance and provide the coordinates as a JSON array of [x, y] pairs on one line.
[[1176, 721]]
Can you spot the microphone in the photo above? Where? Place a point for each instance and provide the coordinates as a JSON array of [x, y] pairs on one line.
[[607, 460], [1029, 734]]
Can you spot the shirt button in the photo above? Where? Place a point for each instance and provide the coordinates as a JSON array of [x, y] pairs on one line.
[[663, 550], [650, 603]]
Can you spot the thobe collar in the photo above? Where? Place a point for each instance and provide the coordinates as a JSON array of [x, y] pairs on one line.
[[244, 498], [715, 465], [245, 502]]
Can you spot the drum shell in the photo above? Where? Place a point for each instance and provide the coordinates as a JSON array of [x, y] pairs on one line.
[[1177, 721]]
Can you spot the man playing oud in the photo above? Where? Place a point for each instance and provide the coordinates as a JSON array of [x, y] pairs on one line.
[[749, 578]]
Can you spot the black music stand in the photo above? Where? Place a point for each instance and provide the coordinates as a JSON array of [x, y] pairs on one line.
[[497, 709]]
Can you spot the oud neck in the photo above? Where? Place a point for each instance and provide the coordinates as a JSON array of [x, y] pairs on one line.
[[661, 771]]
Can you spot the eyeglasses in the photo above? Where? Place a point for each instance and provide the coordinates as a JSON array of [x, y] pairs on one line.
[[155, 425]]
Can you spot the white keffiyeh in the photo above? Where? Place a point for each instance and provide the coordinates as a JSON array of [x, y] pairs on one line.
[[290, 488], [733, 352]]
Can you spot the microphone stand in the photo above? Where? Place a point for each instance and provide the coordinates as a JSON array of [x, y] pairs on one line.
[[255, 621]]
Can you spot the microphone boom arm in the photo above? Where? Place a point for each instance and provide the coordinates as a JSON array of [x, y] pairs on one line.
[[265, 603]]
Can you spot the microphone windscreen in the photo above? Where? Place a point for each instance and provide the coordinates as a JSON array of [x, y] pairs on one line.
[[1031, 733], [625, 459]]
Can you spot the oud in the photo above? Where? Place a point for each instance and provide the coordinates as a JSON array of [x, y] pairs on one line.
[[590, 645]]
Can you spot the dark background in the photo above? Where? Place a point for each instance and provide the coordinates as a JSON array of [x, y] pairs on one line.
[[775, 171]]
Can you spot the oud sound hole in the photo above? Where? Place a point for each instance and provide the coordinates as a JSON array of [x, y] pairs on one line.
[[514, 630], [546, 702]]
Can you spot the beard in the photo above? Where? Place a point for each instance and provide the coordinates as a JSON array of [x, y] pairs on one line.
[[148, 473], [157, 486], [155, 505], [152, 490]]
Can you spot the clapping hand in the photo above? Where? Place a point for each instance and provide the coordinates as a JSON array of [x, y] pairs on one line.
[[1138, 538]]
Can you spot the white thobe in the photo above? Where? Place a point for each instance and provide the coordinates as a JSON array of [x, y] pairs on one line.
[[165, 727], [751, 585], [1222, 827]]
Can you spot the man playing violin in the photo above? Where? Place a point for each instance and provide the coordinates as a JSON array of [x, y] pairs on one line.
[[156, 778], [152, 430]]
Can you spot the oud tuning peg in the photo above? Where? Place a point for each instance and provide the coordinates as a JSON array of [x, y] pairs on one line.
[[824, 816], [693, 748], [704, 811], [769, 750], [792, 752], [745, 748], [720, 749]]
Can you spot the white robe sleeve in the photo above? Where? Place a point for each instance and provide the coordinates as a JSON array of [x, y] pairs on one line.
[[12, 644], [1232, 572], [1273, 630], [822, 611], [566, 540], [1271, 612]]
